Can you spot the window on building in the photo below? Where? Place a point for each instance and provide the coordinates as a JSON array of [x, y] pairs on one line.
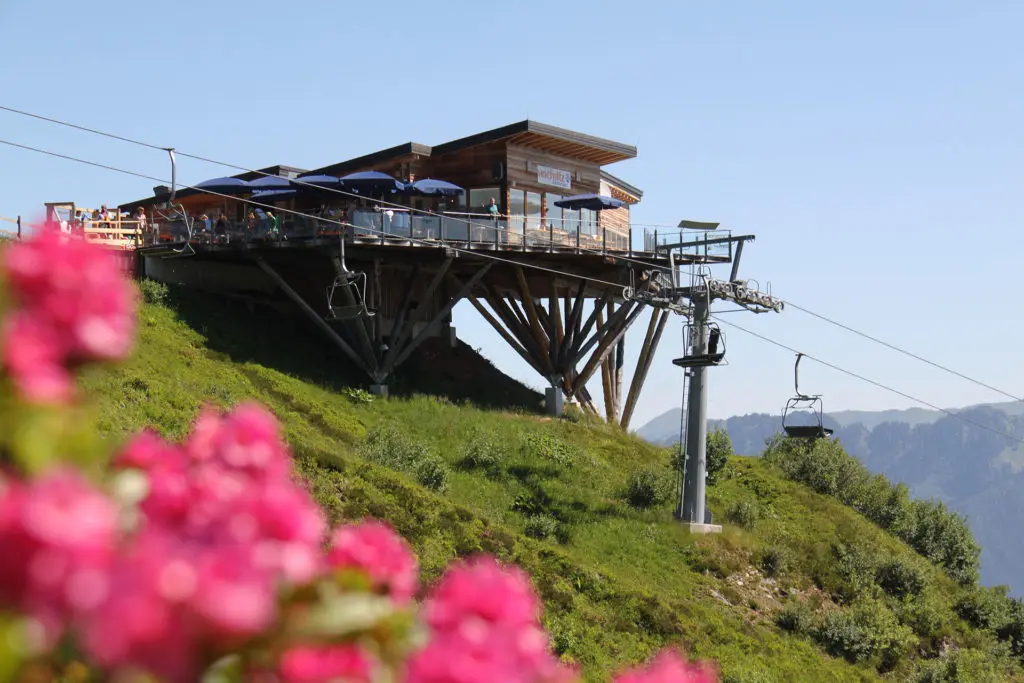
[[533, 210], [571, 220], [516, 210], [552, 213], [480, 198], [588, 222]]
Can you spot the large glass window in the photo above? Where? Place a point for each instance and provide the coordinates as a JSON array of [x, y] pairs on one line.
[[480, 198], [456, 203], [552, 213], [571, 220], [588, 222], [516, 210], [533, 210]]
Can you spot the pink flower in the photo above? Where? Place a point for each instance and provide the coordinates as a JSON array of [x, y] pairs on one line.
[[385, 557], [144, 451], [485, 626], [145, 621], [323, 664], [246, 440], [33, 353], [482, 590], [233, 597], [57, 541], [669, 666], [77, 288]]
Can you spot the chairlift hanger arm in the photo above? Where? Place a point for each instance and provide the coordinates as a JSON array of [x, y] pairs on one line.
[[702, 243]]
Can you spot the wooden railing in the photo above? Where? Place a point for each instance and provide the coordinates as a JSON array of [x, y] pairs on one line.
[[115, 232]]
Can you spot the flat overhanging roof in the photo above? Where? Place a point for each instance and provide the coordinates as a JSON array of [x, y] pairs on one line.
[[550, 138]]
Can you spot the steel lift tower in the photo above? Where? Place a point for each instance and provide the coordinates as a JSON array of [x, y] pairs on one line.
[[705, 349]]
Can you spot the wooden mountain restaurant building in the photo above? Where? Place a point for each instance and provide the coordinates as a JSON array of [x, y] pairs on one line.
[[525, 168]]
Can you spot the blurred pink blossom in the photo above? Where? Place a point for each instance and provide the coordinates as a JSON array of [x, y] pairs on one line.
[[383, 555], [669, 666], [323, 664]]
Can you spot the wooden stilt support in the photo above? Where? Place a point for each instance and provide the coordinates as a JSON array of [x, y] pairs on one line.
[[499, 328], [403, 309], [531, 312], [611, 337], [398, 340], [602, 330], [572, 323], [606, 385], [643, 363], [445, 310]]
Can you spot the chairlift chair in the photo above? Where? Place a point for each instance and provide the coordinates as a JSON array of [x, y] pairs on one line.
[[715, 351], [810, 403], [354, 282]]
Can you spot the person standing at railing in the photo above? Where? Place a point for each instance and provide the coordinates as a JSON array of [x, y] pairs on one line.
[[220, 228], [251, 225], [272, 224], [493, 210], [140, 223]]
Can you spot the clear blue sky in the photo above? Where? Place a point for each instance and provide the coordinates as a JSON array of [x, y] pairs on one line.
[[875, 148]]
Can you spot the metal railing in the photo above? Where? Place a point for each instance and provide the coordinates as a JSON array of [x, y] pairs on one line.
[[694, 243], [466, 229]]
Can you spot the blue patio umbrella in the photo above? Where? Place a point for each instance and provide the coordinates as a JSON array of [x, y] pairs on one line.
[[371, 183], [272, 195], [594, 202], [319, 180], [270, 182], [225, 186], [434, 187]]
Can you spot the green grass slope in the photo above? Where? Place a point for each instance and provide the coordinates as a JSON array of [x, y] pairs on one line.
[[582, 506]]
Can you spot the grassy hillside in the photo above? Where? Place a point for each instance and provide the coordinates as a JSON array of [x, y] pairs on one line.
[[580, 505]]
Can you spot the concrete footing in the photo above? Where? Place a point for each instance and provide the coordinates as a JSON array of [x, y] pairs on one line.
[[553, 400], [379, 390], [451, 339], [696, 528]]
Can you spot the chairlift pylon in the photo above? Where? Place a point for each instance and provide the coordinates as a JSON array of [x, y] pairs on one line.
[[715, 351], [811, 403], [354, 282]]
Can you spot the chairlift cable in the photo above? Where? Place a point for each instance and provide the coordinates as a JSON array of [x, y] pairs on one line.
[[898, 392]]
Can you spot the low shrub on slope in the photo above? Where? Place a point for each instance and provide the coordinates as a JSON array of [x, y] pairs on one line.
[[799, 587]]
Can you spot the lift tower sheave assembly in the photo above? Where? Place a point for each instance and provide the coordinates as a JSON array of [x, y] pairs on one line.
[[706, 350]]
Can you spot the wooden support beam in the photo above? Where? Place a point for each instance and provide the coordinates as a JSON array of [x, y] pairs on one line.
[[441, 315], [601, 331], [499, 328], [403, 309], [521, 332], [609, 338], [572, 323], [643, 363], [520, 313], [410, 324], [558, 336], [606, 388], [531, 312], [378, 323], [313, 315], [580, 337], [547, 324], [620, 359]]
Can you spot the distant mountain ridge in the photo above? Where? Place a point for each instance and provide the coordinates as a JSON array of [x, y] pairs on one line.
[[973, 470]]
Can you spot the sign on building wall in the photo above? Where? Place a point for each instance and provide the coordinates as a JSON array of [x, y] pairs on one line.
[[554, 176]]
